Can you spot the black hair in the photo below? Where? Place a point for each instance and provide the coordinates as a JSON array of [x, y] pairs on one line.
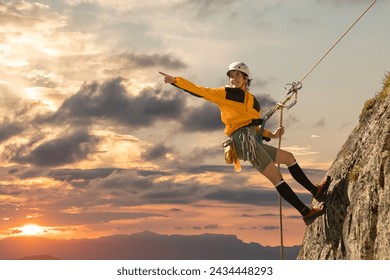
[[248, 81]]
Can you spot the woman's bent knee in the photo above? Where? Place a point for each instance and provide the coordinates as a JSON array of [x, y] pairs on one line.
[[285, 157], [272, 174], [291, 159]]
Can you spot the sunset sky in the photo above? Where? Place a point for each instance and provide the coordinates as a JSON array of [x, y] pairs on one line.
[[92, 142]]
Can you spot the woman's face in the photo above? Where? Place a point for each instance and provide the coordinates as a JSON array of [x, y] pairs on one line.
[[237, 79]]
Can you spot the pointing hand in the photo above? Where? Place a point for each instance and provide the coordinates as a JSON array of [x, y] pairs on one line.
[[168, 79]]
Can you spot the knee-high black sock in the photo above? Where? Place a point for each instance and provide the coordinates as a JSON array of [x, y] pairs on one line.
[[299, 176], [288, 194]]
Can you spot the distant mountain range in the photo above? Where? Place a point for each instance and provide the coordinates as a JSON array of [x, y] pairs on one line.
[[141, 246]]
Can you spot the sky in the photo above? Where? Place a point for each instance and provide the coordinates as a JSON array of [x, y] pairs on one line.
[[93, 143]]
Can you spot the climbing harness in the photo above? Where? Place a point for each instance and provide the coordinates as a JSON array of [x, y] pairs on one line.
[[293, 91]]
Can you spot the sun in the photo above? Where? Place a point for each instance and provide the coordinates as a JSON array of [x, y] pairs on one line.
[[31, 229]]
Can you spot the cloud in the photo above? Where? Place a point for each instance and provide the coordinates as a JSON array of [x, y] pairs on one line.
[[256, 196], [159, 151], [270, 227], [9, 129], [260, 215], [199, 154], [53, 218], [151, 60], [72, 175], [319, 124], [266, 101], [120, 187], [70, 147], [300, 151], [205, 118], [111, 101], [212, 227], [21, 13]]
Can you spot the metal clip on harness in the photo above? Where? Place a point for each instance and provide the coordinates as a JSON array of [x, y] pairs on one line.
[[292, 91]]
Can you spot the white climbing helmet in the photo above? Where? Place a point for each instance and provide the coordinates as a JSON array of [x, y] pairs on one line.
[[238, 66]]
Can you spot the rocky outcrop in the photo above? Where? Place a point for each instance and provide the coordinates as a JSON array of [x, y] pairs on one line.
[[357, 221]]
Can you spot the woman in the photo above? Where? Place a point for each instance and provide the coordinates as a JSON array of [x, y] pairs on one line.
[[240, 112]]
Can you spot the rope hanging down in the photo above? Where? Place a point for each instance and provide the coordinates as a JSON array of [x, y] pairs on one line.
[[293, 91]]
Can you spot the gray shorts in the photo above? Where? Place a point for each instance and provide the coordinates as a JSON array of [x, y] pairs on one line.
[[258, 154]]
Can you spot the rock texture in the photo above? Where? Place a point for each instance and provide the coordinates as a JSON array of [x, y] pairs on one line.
[[356, 223]]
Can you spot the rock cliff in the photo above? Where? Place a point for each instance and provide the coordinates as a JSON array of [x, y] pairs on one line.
[[356, 223]]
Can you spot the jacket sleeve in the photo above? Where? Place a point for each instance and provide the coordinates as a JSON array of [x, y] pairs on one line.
[[215, 95]]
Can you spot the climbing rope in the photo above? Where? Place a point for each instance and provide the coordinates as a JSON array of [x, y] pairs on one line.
[[293, 91], [279, 196], [295, 86], [338, 40]]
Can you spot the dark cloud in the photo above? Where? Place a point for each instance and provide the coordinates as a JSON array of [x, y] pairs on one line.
[[270, 227], [65, 219], [266, 102], [146, 173], [111, 101], [259, 215], [205, 118], [68, 148], [9, 129], [212, 168], [151, 60], [212, 227], [126, 181], [121, 187], [27, 172], [159, 151], [128, 188], [258, 196], [290, 120], [200, 154], [78, 174], [169, 157], [319, 124]]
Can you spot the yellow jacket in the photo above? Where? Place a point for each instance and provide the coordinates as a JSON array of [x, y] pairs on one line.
[[238, 108]]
